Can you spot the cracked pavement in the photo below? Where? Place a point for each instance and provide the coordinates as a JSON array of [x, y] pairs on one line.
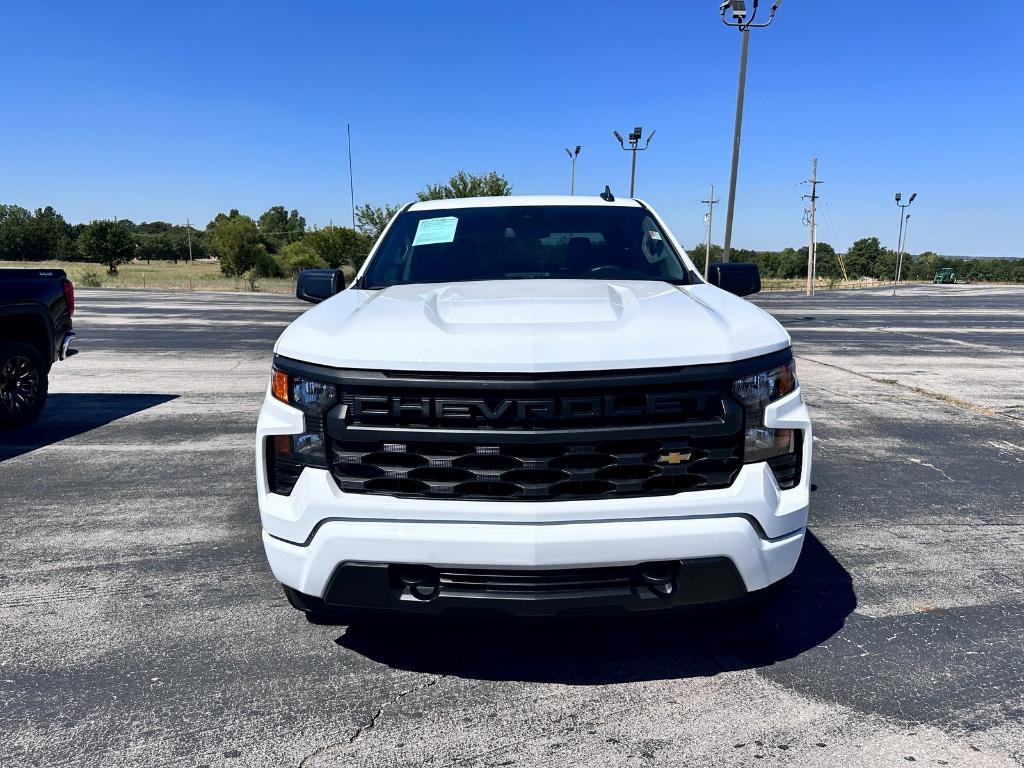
[[140, 624]]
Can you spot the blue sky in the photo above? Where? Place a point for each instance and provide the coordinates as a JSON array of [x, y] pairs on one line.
[[174, 110]]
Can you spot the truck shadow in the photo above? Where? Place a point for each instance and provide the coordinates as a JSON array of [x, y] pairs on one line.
[[812, 607], [67, 415]]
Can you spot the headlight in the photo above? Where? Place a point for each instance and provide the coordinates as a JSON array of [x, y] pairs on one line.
[[311, 396], [756, 392], [287, 454]]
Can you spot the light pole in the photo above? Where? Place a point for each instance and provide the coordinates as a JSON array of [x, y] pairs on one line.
[[899, 240], [572, 178], [634, 142], [351, 183], [738, 10]]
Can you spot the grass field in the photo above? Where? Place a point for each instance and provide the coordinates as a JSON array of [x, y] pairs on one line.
[[206, 276], [197, 276]]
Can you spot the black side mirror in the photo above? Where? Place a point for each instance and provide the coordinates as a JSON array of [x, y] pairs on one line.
[[315, 285], [738, 278]]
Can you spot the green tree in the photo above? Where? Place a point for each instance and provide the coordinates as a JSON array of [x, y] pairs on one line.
[[160, 240], [107, 242], [155, 246], [827, 263], [339, 246], [862, 257], [15, 222], [235, 241], [295, 257], [49, 236], [791, 263], [265, 265], [464, 184], [371, 219], [280, 227]]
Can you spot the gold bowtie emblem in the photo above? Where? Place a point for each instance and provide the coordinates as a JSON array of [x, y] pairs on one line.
[[673, 458]]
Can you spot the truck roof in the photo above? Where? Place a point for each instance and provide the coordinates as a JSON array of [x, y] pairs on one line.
[[522, 200]]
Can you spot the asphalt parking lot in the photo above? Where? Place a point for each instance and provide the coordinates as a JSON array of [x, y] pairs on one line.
[[140, 624]]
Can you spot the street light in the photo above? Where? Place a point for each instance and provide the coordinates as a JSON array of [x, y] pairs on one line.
[[904, 217], [634, 142], [740, 20], [572, 179]]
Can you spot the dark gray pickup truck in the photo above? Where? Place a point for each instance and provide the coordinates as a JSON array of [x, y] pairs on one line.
[[36, 306]]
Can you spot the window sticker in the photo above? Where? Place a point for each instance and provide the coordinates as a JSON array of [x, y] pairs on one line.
[[655, 234], [433, 231]]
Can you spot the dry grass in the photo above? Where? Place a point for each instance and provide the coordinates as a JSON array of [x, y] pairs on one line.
[[206, 276], [771, 284], [197, 276]]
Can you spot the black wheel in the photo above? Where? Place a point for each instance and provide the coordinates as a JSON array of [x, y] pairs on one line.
[[23, 384]]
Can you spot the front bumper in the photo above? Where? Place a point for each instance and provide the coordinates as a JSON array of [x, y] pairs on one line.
[[316, 530]]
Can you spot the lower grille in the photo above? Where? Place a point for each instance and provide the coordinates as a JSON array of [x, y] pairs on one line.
[[543, 471], [535, 583]]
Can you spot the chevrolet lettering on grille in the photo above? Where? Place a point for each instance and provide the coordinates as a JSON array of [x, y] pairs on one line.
[[532, 409]]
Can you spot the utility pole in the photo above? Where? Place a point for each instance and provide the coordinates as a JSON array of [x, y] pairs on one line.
[[188, 227], [814, 181], [634, 142], [741, 21], [572, 178], [351, 184], [710, 203]]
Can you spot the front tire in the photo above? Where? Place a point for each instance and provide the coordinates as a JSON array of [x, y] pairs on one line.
[[24, 384]]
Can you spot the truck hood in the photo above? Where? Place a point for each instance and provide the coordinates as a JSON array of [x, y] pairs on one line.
[[531, 326]]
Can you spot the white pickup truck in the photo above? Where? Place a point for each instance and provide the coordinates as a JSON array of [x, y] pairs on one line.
[[531, 406]]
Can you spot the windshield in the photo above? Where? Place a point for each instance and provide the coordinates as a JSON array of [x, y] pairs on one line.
[[524, 242]]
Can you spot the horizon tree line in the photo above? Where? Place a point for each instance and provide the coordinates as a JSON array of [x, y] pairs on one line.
[[279, 244]]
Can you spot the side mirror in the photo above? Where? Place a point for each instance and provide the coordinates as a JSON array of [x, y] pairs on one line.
[[315, 285], [738, 278]]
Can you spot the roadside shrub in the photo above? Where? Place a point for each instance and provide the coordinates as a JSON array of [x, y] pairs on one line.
[[265, 265], [338, 246], [298, 256], [90, 279]]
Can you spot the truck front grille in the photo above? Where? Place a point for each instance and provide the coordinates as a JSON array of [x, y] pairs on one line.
[[477, 469], [536, 437]]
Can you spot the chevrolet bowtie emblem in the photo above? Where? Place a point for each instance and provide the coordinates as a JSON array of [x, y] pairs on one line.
[[673, 458]]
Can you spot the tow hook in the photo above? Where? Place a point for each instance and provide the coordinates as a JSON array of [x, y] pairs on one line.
[[423, 583], [660, 578]]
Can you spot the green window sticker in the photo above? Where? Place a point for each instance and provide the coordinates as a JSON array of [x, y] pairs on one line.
[[433, 231]]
